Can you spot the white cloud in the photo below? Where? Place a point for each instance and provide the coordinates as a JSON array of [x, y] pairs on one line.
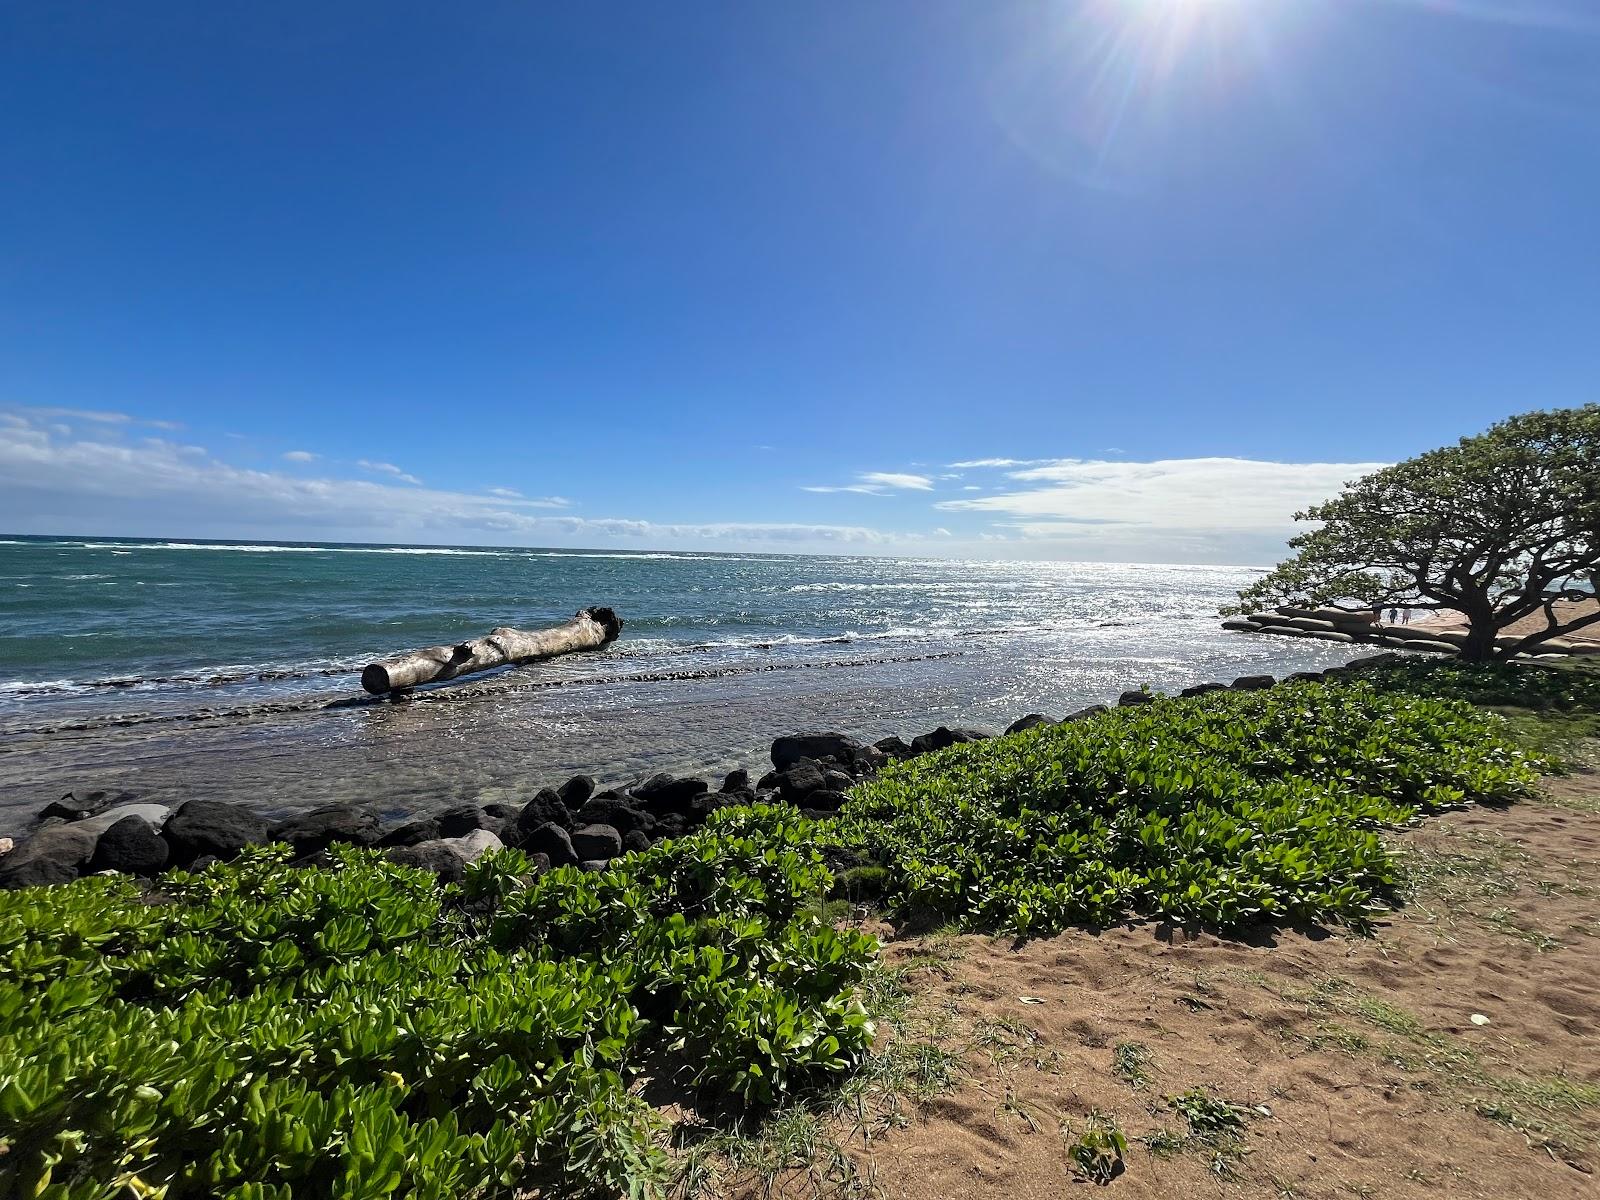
[[1169, 496], [506, 493], [974, 463], [97, 484], [892, 479], [878, 483], [384, 468], [300, 456]]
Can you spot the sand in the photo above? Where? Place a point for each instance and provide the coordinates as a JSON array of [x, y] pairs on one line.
[[1456, 1052], [1565, 610]]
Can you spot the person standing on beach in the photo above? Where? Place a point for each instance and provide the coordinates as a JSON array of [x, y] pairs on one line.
[[1405, 616], [1394, 615]]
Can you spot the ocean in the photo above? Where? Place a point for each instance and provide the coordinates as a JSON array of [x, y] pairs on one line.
[[175, 669]]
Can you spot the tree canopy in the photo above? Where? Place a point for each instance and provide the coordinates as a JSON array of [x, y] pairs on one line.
[[1499, 527]]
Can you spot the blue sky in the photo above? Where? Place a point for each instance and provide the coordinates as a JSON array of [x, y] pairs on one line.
[[1115, 279]]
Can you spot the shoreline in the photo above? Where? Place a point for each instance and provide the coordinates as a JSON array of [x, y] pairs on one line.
[[101, 830]]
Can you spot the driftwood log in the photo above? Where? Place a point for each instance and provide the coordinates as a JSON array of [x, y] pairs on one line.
[[588, 630]]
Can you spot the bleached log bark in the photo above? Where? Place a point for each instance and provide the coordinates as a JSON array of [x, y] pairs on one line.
[[588, 630]]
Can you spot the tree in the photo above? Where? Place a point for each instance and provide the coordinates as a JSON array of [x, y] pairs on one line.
[[1498, 527]]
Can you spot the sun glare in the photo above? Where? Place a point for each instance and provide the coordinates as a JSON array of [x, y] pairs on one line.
[[1095, 88]]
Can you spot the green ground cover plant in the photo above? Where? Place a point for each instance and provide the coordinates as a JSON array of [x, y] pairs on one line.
[[1223, 809], [259, 1031]]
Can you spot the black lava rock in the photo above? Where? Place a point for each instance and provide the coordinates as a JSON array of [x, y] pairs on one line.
[[54, 855], [545, 808], [634, 841], [412, 833], [1093, 710], [1253, 683], [945, 736], [212, 827], [320, 828], [736, 781], [553, 841], [840, 747], [1134, 696], [464, 818], [596, 842], [432, 856], [895, 747], [619, 814], [1031, 721], [131, 846], [576, 790], [68, 808], [801, 779], [823, 800], [1201, 689], [664, 794]]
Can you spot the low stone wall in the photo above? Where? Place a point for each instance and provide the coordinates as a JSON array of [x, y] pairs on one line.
[[1336, 625]]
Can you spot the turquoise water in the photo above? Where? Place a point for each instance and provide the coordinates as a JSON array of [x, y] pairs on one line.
[[181, 668]]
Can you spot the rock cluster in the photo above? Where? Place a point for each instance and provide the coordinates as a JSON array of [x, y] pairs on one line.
[[573, 825]]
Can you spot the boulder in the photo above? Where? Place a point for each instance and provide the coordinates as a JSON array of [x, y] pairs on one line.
[[436, 855], [1031, 721], [132, 846], [576, 790], [824, 800], [1201, 689], [1252, 683], [1311, 623], [1134, 696], [1304, 677], [552, 840], [894, 747], [1329, 635], [769, 781], [68, 808], [619, 814], [594, 865], [837, 780], [945, 736], [212, 827], [462, 819], [634, 841], [664, 793], [310, 832], [1284, 630], [474, 845], [54, 855], [736, 781], [1240, 625], [412, 833], [546, 808], [800, 779], [505, 812], [1094, 710], [840, 747], [596, 842]]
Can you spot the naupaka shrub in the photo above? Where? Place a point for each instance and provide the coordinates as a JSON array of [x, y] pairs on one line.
[[258, 1030], [1220, 809]]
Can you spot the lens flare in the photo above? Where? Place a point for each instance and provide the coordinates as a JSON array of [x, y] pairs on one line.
[[1097, 87]]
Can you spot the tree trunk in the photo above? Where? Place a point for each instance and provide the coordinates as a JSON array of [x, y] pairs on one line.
[[588, 630], [1479, 646]]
